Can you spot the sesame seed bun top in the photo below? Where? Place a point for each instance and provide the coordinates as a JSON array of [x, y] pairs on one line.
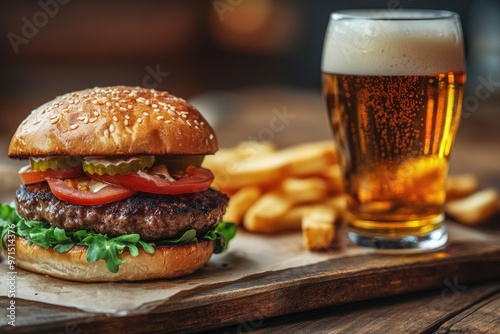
[[115, 120]]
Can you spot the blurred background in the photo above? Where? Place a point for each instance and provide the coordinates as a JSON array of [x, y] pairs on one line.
[[241, 62]]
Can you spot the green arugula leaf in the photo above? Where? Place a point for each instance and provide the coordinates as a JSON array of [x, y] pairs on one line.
[[148, 248], [95, 246], [188, 237], [224, 232], [8, 218], [64, 247]]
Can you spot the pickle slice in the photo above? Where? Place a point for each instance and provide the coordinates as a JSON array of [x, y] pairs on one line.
[[176, 163], [54, 163], [102, 165]]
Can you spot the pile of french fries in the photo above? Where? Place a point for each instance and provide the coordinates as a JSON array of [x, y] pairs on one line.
[[301, 188]]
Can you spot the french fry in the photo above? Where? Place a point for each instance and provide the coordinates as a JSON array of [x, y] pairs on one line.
[[232, 172], [476, 208], [308, 159], [318, 227], [293, 217], [304, 190], [333, 175], [461, 185], [263, 216], [226, 162], [240, 202]]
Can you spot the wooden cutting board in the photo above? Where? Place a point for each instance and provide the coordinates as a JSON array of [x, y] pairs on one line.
[[247, 301]]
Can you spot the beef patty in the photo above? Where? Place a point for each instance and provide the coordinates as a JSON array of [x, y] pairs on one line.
[[153, 217]]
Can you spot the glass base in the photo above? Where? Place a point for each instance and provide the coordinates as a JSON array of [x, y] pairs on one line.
[[431, 241]]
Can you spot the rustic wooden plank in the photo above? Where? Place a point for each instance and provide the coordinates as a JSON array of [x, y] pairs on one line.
[[484, 317], [411, 313], [288, 291]]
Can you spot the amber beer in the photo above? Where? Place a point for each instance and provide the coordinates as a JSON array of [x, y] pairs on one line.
[[394, 111]]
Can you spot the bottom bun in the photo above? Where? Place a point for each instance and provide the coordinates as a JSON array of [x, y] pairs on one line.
[[166, 262]]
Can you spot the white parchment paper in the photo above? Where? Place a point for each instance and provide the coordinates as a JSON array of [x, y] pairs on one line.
[[249, 254]]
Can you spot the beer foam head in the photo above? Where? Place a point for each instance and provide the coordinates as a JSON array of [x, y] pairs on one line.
[[393, 42]]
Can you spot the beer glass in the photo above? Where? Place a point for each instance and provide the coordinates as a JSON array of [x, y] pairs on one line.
[[393, 85]]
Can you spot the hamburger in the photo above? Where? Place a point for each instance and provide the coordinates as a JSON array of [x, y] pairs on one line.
[[114, 189]]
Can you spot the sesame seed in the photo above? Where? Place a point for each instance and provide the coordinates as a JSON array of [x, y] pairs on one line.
[[202, 123], [36, 121], [156, 110], [129, 106], [86, 120], [126, 122], [160, 117], [94, 101], [65, 110], [80, 109], [74, 126], [196, 127], [184, 116], [25, 120], [115, 118], [92, 120], [196, 122], [123, 109], [96, 113], [148, 102], [54, 121], [122, 101], [126, 91], [154, 105], [111, 128], [168, 121], [211, 136], [139, 120], [188, 123], [55, 116], [171, 112], [106, 133], [145, 114], [108, 104], [117, 105], [141, 99], [127, 117]]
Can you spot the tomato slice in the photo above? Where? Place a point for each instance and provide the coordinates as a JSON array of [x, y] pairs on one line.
[[194, 180], [28, 176], [108, 194]]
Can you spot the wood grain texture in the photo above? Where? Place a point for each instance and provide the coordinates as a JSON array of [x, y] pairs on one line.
[[247, 302], [421, 312], [484, 317]]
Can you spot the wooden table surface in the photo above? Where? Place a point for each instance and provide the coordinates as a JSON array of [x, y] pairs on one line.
[[449, 307]]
